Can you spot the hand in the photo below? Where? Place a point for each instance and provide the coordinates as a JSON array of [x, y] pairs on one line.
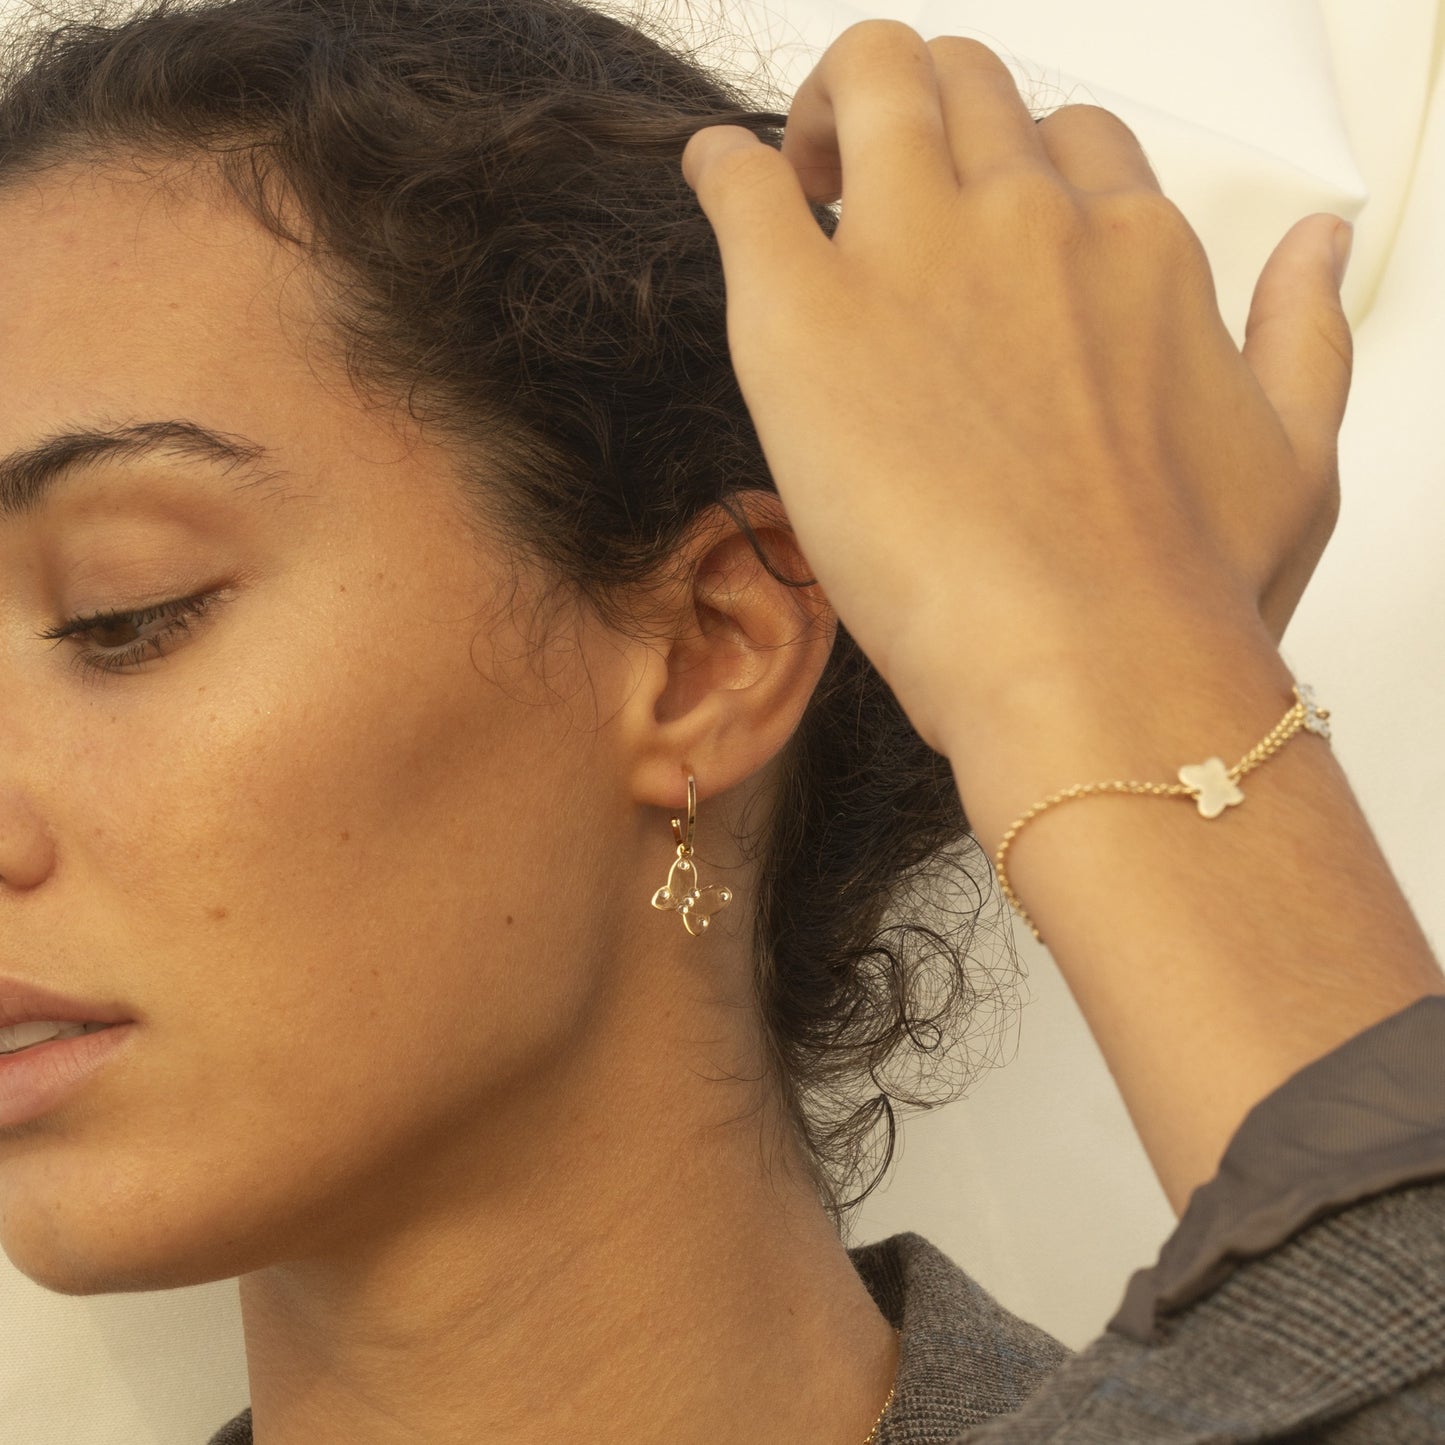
[[1001, 407]]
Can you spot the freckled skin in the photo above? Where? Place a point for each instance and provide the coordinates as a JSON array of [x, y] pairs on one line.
[[427, 1141]]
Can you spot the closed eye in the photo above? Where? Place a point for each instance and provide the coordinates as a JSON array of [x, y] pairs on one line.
[[176, 615]]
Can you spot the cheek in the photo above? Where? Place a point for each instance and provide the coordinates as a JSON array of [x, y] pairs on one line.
[[251, 778], [340, 903], [334, 842]]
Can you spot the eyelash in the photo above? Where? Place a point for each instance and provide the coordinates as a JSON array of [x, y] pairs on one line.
[[92, 661]]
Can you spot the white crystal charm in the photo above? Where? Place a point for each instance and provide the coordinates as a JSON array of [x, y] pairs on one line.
[[1315, 716], [1215, 790]]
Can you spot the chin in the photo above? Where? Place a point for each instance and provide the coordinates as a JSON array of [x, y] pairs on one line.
[[76, 1246]]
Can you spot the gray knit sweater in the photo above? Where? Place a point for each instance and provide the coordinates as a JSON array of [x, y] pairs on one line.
[[1300, 1299]]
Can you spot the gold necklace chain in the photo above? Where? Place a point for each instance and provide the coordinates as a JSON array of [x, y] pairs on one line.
[[873, 1433]]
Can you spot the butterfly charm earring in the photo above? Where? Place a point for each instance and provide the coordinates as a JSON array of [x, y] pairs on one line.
[[682, 890]]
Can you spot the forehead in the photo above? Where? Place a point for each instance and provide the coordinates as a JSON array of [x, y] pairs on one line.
[[128, 296], [105, 273]]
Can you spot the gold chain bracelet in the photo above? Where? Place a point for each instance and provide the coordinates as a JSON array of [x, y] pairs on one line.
[[1212, 786]]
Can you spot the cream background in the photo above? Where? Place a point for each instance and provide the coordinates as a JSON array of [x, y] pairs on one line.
[[1254, 113]]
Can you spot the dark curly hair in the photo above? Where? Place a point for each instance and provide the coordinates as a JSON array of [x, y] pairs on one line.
[[492, 192]]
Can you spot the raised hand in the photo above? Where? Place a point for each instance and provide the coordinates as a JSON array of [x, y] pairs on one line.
[[1000, 404]]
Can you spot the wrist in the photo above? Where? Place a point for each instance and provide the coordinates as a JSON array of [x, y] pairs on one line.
[[1173, 693]]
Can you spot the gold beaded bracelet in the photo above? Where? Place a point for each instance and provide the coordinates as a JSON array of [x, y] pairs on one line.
[[1208, 783]]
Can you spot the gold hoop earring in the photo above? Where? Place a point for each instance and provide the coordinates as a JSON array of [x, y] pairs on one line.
[[682, 890]]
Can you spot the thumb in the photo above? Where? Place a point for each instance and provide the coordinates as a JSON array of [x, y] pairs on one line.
[[1298, 342]]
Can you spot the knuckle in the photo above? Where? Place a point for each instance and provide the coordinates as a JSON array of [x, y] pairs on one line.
[[1030, 194], [963, 47], [961, 56], [1075, 113], [876, 32], [1145, 213], [1093, 125]]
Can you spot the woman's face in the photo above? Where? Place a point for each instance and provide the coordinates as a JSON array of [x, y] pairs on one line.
[[370, 892]]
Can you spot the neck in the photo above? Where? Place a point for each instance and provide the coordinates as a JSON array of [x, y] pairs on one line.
[[629, 1274]]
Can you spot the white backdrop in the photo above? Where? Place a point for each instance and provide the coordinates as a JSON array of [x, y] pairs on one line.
[[1254, 113]]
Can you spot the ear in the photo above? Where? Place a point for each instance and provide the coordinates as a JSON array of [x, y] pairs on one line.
[[727, 689]]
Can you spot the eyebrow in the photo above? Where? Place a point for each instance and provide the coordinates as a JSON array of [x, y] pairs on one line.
[[27, 476]]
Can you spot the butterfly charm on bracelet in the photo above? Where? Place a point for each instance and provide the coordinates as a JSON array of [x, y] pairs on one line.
[[682, 891], [1214, 790]]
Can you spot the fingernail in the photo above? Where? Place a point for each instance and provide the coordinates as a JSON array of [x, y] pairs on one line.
[[1344, 244]]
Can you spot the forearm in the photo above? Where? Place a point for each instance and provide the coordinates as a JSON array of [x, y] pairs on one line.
[[1211, 957]]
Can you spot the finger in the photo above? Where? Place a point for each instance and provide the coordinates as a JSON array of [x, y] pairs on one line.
[[870, 105], [771, 245], [989, 127], [1094, 150], [1299, 345]]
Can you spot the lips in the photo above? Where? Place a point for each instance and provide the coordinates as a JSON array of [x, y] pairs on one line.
[[28, 1036], [36, 1080], [22, 1003]]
